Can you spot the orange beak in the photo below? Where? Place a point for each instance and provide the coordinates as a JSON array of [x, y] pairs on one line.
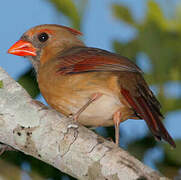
[[22, 48]]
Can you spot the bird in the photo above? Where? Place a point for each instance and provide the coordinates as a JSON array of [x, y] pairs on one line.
[[94, 86]]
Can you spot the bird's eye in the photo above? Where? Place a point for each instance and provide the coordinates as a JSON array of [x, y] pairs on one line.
[[43, 37]]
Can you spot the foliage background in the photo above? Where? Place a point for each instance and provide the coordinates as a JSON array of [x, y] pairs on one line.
[[148, 32]]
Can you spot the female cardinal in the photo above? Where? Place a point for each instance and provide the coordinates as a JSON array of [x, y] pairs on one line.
[[97, 87]]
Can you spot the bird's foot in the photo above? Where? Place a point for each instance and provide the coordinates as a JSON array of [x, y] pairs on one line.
[[73, 120], [75, 126]]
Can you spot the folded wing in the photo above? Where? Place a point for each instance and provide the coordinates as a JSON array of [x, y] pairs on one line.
[[132, 85]]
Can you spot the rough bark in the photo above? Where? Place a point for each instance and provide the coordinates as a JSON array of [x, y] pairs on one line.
[[38, 131]]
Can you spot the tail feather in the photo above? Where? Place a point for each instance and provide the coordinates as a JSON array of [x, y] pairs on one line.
[[146, 110]]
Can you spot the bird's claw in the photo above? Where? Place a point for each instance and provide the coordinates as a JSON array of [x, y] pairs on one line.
[[74, 122], [75, 126]]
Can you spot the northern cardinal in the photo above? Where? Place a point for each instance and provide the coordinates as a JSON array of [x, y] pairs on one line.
[[97, 87]]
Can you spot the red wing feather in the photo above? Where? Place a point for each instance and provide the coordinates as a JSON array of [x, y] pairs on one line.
[[152, 118], [84, 59]]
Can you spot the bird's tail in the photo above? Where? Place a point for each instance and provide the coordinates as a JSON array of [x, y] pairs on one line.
[[147, 110]]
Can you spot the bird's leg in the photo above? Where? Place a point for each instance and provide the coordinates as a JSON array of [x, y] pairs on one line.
[[93, 98], [119, 116], [117, 121]]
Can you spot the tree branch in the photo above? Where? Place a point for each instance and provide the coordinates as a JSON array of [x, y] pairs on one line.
[[38, 131]]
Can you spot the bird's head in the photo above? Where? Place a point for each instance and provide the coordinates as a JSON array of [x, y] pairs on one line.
[[44, 42]]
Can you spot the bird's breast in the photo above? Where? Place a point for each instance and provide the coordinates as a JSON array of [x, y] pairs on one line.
[[69, 93]]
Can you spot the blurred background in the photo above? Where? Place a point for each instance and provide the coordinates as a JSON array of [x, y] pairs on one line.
[[146, 31]]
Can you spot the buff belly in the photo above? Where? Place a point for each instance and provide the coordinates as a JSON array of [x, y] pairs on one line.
[[100, 112], [68, 94]]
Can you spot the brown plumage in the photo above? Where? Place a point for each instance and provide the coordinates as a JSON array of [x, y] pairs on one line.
[[98, 87]]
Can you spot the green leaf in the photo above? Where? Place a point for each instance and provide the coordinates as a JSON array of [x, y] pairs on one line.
[[38, 167], [123, 13], [172, 104], [1, 84], [169, 171], [129, 50], [28, 81], [68, 8], [155, 13], [172, 156], [139, 147], [171, 163]]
